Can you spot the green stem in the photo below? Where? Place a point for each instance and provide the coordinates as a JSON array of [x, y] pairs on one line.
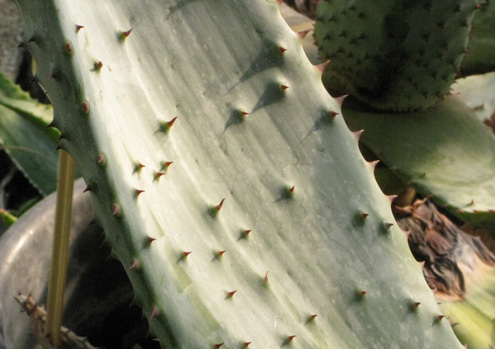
[[60, 247]]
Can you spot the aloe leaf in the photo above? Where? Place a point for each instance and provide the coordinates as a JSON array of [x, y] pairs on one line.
[[445, 152], [25, 137], [225, 178], [480, 55], [478, 92]]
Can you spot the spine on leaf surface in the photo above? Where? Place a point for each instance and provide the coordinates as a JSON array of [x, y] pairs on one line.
[[226, 179]]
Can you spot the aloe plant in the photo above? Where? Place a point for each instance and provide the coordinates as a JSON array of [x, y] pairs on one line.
[[225, 178]]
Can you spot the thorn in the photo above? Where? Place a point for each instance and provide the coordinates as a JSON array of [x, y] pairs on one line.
[[185, 254], [266, 278], [245, 234], [373, 164], [391, 198], [100, 160], [387, 225], [241, 114], [138, 167], [288, 192], [218, 345], [150, 239], [68, 47], [283, 88], [115, 210], [231, 294], [364, 215], [321, 67], [214, 210], [219, 206], [138, 192], [124, 34], [134, 264], [415, 305], [358, 134], [157, 175], [302, 34], [85, 107], [164, 165], [97, 66], [333, 114], [340, 99], [290, 338], [78, 27], [154, 312], [246, 344], [440, 317], [282, 49], [362, 293], [220, 253], [167, 125]]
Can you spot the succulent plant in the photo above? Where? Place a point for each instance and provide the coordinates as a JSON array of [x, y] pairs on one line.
[[225, 178], [393, 55]]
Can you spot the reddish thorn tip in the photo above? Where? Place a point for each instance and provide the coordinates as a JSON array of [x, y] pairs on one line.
[[373, 164], [85, 107], [362, 293], [341, 99], [138, 192], [126, 33], [68, 47], [154, 312], [246, 344], [100, 160], [387, 225], [220, 253], [416, 305], [115, 210], [312, 317], [358, 134], [185, 254], [231, 294], [218, 345], [290, 338], [391, 198], [302, 34], [219, 206], [164, 165], [171, 122], [281, 49], [134, 264], [321, 67], [150, 239], [364, 215], [284, 87], [266, 277], [78, 27], [333, 114], [440, 317], [246, 232], [244, 113]]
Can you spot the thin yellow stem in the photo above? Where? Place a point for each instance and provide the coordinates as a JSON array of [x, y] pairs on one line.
[[60, 253]]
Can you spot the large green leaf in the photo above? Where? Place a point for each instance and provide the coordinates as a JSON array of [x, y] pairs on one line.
[[25, 137], [445, 152]]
